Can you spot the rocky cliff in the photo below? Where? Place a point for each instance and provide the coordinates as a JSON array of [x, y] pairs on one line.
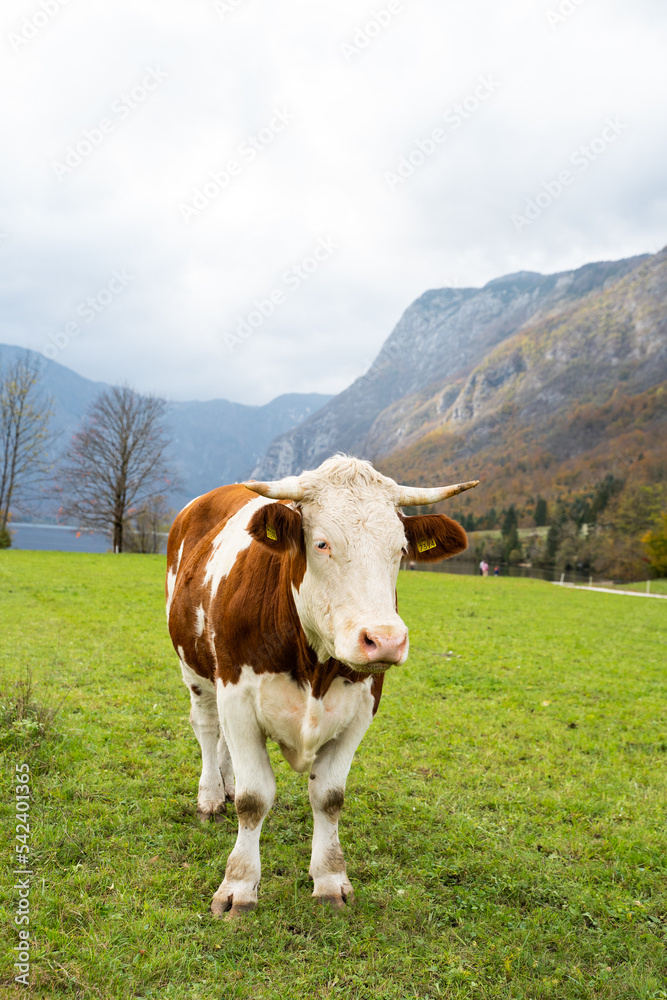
[[577, 392], [426, 365]]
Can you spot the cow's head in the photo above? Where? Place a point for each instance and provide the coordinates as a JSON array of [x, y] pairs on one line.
[[347, 532]]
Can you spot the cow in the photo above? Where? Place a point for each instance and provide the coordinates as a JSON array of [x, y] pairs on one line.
[[281, 603]]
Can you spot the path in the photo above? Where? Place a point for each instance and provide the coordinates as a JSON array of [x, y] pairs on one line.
[[609, 590]]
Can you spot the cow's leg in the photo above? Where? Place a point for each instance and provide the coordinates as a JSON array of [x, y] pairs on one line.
[[225, 765], [214, 786], [255, 792], [326, 787]]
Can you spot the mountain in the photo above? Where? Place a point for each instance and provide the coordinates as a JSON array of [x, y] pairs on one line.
[[220, 442], [212, 442], [577, 393], [420, 371]]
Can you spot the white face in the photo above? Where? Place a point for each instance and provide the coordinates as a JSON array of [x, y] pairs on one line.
[[347, 599]]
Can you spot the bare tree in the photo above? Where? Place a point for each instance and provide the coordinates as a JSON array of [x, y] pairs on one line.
[[147, 530], [25, 414], [115, 466]]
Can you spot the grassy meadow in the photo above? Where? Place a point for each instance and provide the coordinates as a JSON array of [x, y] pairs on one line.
[[505, 825]]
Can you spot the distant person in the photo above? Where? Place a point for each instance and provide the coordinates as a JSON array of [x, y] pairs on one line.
[[411, 565], [481, 567], [496, 571], [484, 567]]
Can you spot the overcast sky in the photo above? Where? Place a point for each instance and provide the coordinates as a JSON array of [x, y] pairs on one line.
[[364, 153]]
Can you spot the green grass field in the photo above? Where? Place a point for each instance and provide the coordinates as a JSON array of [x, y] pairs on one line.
[[505, 825]]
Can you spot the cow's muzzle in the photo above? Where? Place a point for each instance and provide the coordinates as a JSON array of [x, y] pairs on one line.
[[377, 646]]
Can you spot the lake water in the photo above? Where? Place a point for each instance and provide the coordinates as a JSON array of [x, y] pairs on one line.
[[57, 538]]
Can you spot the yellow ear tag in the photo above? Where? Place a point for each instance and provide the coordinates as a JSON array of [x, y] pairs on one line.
[[426, 544], [271, 533]]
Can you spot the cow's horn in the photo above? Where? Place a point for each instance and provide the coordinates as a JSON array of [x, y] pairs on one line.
[[415, 496], [288, 488]]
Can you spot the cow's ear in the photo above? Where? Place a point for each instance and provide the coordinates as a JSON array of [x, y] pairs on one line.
[[432, 537], [276, 526]]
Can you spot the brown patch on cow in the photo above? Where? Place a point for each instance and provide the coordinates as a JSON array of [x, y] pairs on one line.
[[190, 593], [195, 689], [326, 673], [238, 870], [298, 569], [334, 803], [334, 862], [251, 809], [201, 517], [376, 690], [448, 536], [255, 620], [196, 528]]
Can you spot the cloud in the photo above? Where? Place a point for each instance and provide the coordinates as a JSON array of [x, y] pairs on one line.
[[227, 75]]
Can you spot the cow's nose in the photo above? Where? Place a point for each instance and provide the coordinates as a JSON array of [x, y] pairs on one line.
[[386, 645]]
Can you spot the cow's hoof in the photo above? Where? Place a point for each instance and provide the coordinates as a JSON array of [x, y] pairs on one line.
[[227, 908], [338, 903], [239, 909], [215, 815]]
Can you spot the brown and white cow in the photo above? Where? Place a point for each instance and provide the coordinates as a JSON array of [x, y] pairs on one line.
[[281, 602]]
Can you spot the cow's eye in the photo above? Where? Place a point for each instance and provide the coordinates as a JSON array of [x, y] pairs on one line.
[[321, 545]]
